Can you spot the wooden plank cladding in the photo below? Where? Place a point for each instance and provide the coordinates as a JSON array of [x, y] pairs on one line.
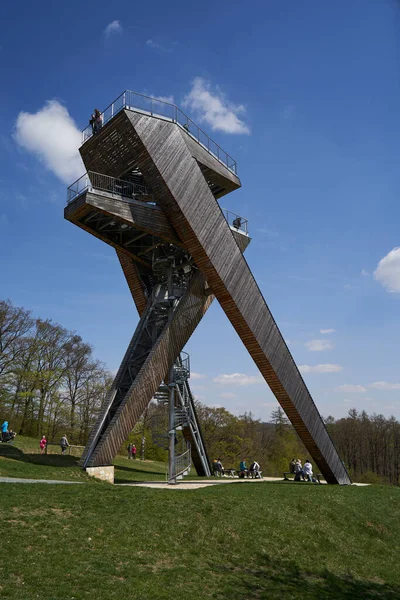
[[185, 180], [180, 189]]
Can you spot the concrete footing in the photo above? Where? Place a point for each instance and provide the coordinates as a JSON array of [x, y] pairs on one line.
[[103, 473]]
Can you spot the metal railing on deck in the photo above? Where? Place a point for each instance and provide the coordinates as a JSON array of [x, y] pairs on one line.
[[236, 221], [167, 111], [91, 180]]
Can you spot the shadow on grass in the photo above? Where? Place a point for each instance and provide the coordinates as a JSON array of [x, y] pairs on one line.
[[273, 578], [141, 471], [53, 460]]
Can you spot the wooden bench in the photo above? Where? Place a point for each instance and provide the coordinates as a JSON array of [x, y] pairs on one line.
[[230, 472]]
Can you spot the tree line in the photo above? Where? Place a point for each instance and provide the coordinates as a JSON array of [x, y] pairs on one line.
[[50, 383], [369, 445]]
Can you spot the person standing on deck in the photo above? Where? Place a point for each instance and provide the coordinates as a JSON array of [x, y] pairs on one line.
[[96, 121]]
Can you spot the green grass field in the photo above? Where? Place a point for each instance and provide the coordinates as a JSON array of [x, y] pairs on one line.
[[239, 541]]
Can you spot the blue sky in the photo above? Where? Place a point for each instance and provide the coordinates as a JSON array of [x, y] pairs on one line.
[[304, 95]]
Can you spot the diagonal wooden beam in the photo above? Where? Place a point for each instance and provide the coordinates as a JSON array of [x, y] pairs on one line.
[[181, 190]]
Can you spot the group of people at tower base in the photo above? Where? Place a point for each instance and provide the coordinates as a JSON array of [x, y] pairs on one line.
[[254, 471], [301, 472]]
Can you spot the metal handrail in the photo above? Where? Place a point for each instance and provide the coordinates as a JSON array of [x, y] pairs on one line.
[[105, 183], [235, 221], [183, 463], [163, 110]]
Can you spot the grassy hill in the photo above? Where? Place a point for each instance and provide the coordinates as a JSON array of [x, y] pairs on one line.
[[239, 541], [23, 459]]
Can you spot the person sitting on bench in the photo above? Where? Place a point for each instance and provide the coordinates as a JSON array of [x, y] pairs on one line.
[[243, 470], [298, 471], [308, 472], [255, 470], [218, 468]]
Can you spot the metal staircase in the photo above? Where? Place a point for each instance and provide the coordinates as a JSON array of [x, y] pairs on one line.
[[185, 420]]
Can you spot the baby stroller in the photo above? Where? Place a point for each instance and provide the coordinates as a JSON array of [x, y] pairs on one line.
[[8, 436]]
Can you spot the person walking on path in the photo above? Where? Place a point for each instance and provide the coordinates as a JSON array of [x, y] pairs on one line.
[[64, 444], [134, 451], [129, 449], [42, 444]]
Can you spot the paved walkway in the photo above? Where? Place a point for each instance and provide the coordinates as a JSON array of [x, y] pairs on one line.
[[195, 485], [18, 480]]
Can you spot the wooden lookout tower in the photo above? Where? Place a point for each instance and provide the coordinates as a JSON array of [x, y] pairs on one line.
[[151, 191]]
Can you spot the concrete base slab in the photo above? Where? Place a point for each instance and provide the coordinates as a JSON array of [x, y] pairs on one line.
[[103, 473]]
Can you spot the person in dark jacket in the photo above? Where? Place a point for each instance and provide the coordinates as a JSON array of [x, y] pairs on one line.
[[129, 450]]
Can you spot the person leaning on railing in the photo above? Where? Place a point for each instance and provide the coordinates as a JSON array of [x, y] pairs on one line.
[[96, 121], [237, 223]]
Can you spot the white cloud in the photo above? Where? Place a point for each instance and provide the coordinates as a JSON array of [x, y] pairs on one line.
[[228, 395], [214, 108], [113, 28], [327, 331], [238, 379], [384, 385], [318, 345], [388, 271], [52, 136], [155, 46], [320, 368], [351, 389], [194, 375]]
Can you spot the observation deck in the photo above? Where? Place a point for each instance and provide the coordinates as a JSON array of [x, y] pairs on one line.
[[166, 111]]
